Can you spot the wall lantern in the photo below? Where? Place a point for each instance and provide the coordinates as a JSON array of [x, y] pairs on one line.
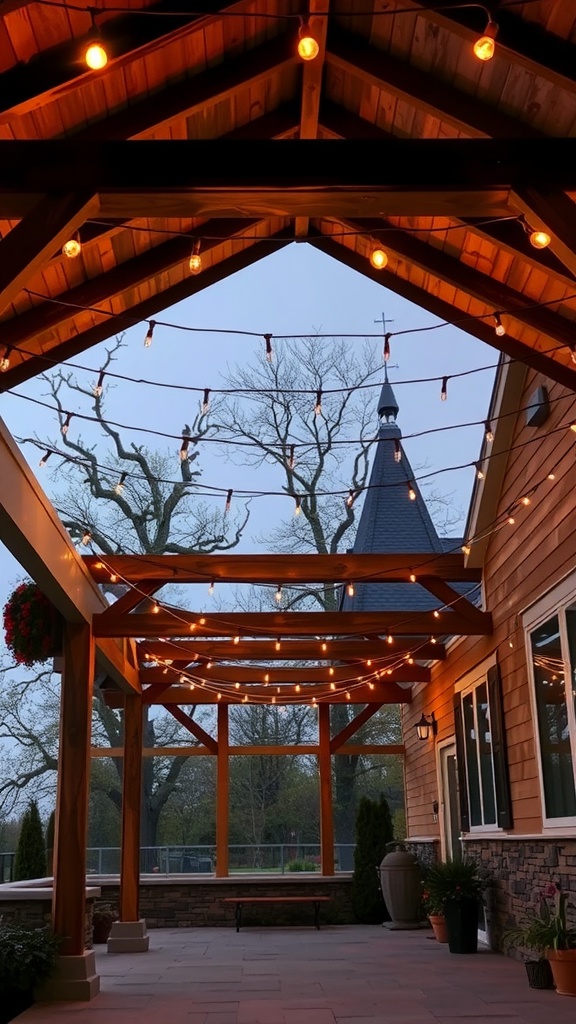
[[426, 726]]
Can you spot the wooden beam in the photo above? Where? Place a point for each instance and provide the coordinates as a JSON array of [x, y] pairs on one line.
[[357, 722], [325, 773], [547, 365], [288, 624], [125, 277], [282, 750], [34, 535], [131, 807], [318, 676], [348, 54], [222, 793], [312, 75], [483, 286], [52, 355], [451, 599], [288, 569], [292, 650], [383, 690], [73, 787], [219, 84], [133, 597], [27, 247], [209, 742], [555, 213]]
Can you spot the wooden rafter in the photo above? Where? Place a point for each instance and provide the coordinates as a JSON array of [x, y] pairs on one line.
[[312, 74], [357, 722], [383, 692], [555, 213], [288, 624], [193, 727], [204, 650], [293, 568], [248, 675]]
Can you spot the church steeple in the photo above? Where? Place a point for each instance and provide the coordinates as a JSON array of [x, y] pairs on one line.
[[388, 407]]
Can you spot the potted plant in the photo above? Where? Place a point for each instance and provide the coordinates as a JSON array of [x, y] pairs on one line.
[[27, 958], [32, 626], [548, 932], [103, 917], [456, 887], [434, 911]]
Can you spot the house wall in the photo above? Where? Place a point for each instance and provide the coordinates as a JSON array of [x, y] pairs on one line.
[[522, 562]]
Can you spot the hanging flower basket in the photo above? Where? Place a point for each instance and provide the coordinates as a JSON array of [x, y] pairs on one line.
[[32, 626]]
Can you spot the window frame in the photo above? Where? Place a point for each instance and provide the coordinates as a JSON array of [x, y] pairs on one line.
[[554, 603]]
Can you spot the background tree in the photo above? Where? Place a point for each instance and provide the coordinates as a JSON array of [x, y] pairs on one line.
[[373, 832], [30, 859]]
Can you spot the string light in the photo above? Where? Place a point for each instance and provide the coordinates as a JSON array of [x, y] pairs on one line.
[[488, 434], [444, 389], [95, 54], [45, 458], [5, 361], [98, 388], [297, 505], [278, 594], [205, 404], [412, 577], [149, 333], [278, 644], [291, 457], [236, 640], [499, 328], [351, 498], [466, 549], [72, 246], [538, 239], [120, 485], [386, 353], [211, 588], [228, 500], [268, 350], [195, 262], [378, 259], [184, 448], [318, 404], [308, 46], [324, 646], [390, 638], [411, 492], [485, 46], [66, 424], [479, 471], [350, 590], [86, 537]]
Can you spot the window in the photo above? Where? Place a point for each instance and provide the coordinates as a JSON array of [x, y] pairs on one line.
[[482, 765], [552, 650]]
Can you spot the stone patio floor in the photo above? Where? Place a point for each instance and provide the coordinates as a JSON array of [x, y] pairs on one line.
[[352, 974]]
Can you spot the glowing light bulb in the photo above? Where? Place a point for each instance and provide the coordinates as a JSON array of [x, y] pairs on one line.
[[96, 57], [485, 46], [412, 577], [350, 589], [466, 549], [195, 263], [278, 594], [378, 259], [499, 328], [72, 247], [411, 492], [211, 588], [308, 47], [86, 537], [539, 239]]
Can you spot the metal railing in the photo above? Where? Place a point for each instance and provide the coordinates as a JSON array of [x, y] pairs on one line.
[[265, 858]]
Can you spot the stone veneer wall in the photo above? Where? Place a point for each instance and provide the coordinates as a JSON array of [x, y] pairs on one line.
[[38, 914], [182, 903], [520, 869]]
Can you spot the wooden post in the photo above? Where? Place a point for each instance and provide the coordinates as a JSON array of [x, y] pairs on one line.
[[69, 899], [131, 804], [222, 793], [325, 770]]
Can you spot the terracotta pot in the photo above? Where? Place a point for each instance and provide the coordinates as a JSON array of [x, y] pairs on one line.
[[438, 922], [563, 964]]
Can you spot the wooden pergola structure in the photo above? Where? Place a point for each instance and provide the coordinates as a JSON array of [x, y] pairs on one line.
[[186, 139]]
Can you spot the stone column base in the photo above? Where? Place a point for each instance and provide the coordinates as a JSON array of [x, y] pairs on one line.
[[74, 978], [128, 937]]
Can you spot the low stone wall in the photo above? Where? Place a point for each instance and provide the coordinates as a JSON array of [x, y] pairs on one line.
[[191, 903], [520, 869]]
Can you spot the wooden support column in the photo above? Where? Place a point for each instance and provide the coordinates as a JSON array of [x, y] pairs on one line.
[[128, 935], [325, 771], [69, 901], [222, 793], [75, 976]]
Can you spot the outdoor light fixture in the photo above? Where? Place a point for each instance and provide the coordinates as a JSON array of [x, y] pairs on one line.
[[426, 726], [308, 47], [485, 46]]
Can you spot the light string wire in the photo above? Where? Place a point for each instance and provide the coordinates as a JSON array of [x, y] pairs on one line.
[[280, 446], [213, 490]]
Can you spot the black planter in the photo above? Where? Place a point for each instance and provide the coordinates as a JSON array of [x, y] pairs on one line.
[[539, 974], [462, 925]]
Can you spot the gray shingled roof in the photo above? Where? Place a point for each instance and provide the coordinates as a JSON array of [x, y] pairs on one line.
[[391, 522]]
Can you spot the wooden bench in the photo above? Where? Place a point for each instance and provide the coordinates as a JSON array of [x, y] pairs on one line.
[[240, 901]]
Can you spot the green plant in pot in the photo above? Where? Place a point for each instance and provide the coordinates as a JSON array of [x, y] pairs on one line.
[[27, 958], [103, 917], [549, 933], [456, 886]]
